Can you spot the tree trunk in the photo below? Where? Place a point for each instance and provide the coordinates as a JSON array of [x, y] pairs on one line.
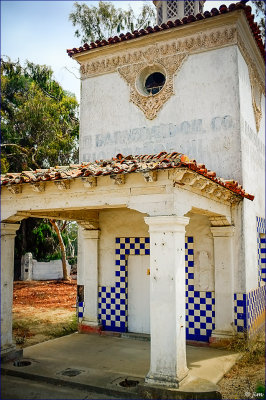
[[63, 249]]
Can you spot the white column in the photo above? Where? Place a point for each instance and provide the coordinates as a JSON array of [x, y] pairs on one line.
[[8, 234], [224, 281], [89, 264], [168, 365]]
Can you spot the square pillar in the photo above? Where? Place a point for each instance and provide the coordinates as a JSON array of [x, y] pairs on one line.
[[168, 364], [8, 234], [89, 272], [224, 281]]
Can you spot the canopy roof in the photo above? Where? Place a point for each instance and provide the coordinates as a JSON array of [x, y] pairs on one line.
[[122, 165]]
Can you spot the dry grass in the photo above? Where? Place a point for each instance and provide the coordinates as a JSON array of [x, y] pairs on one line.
[[43, 310], [246, 380], [35, 326]]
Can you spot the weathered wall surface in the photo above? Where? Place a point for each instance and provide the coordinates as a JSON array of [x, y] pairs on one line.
[[195, 120], [116, 223], [253, 165], [199, 229], [41, 271], [127, 223]]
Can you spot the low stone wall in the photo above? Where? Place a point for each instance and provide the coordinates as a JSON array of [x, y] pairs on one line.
[[41, 271]]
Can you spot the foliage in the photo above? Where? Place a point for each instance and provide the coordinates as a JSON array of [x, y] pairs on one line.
[[260, 390], [106, 20], [260, 13], [39, 123], [39, 126], [38, 237]]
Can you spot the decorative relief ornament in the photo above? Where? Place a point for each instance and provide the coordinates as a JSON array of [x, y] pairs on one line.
[[257, 86], [151, 104], [170, 57]]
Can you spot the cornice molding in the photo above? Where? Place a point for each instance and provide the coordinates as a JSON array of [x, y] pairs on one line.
[[192, 181], [129, 58], [215, 38]]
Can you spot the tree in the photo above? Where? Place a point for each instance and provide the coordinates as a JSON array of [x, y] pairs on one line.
[[62, 247], [260, 14], [39, 127], [48, 240], [97, 23], [39, 122]]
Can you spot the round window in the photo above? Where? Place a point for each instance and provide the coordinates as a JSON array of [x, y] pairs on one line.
[[154, 83]]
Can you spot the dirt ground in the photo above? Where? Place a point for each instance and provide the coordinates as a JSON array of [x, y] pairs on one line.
[[244, 381], [45, 310]]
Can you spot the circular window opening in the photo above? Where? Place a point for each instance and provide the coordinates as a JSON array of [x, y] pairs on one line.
[[154, 83]]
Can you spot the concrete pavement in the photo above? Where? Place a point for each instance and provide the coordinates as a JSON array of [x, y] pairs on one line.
[[16, 388], [101, 363]]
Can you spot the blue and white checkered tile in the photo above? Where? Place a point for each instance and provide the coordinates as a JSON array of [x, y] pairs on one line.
[[80, 310], [261, 230], [255, 309], [261, 225], [240, 313], [200, 306], [262, 257], [113, 301]]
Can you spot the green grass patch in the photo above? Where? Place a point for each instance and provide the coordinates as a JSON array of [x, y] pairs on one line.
[[62, 329]]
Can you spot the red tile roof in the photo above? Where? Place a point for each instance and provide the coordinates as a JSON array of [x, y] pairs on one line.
[[122, 165], [223, 9]]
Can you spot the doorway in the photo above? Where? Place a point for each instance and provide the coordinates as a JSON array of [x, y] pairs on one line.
[[139, 294]]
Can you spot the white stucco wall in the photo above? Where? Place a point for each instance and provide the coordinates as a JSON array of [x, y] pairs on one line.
[[116, 223], [253, 165], [41, 271], [127, 223], [199, 228], [200, 119]]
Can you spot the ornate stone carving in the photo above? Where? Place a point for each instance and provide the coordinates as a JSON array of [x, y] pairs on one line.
[[38, 187], [196, 183], [89, 181], [256, 93], [118, 179], [257, 86], [148, 55], [151, 104], [150, 176], [62, 185], [14, 189], [171, 56]]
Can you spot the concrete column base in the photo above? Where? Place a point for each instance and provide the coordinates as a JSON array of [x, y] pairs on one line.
[[220, 337], [164, 380], [222, 334], [89, 327], [10, 352]]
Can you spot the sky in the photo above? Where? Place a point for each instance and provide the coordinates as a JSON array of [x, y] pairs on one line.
[[40, 31]]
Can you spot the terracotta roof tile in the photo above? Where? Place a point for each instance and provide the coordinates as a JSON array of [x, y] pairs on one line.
[[223, 9], [122, 165]]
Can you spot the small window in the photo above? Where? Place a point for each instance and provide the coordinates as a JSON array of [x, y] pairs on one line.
[[160, 15], [154, 83], [172, 9], [189, 8]]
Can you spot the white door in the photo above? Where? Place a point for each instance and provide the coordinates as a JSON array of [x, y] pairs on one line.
[[139, 294]]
